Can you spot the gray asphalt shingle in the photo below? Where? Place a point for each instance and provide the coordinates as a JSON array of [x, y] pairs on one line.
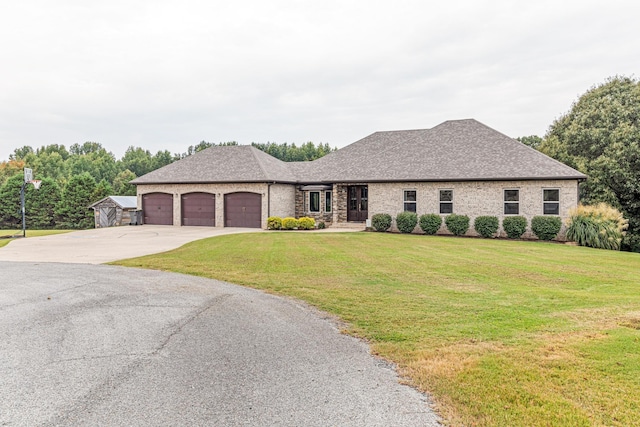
[[456, 150]]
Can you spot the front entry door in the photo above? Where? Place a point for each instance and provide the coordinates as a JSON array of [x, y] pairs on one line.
[[358, 203]]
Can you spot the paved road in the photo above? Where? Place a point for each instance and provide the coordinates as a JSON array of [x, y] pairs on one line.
[[111, 346], [97, 246]]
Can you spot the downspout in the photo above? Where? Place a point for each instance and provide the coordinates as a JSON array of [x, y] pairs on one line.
[[269, 198]]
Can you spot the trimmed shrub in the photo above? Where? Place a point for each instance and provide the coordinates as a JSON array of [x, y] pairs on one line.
[[306, 223], [289, 223], [381, 222], [274, 223], [430, 223], [486, 226], [631, 243], [457, 224], [599, 226], [322, 225], [406, 221], [514, 226], [546, 227]]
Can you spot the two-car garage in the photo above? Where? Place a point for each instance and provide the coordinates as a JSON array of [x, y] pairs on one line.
[[241, 209]]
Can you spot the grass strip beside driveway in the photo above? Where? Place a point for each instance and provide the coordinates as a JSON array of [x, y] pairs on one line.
[[30, 233], [498, 332]]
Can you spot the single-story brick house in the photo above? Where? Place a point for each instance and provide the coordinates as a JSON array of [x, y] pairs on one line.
[[459, 166]]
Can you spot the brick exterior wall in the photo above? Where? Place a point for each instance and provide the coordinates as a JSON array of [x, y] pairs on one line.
[[469, 198], [473, 198], [281, 203], [302, 207]]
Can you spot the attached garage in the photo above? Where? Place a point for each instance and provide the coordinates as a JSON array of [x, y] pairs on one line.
[[157, 208], [243, 210], [199, 209]]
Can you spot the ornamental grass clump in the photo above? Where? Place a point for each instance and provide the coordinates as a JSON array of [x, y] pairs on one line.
[[430, 223], [306, 223], [457, 224], [406, 221], [600, 226], [486, 226], [289, 223], [381, 222]]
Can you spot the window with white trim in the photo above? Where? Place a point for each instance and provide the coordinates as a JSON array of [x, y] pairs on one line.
[[551, 201], [410, 200], [314, 201], [512, 202], [327, 201], [446, 201]]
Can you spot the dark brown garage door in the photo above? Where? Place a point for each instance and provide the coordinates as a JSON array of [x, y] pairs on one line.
[[199, 209], [158, 208], [243, 210]]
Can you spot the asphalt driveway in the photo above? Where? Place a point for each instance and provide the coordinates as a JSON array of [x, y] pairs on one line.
[[101, 245], [111, 346]]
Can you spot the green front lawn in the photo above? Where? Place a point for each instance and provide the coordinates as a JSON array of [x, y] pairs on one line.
[[30, 233], [500, 333]]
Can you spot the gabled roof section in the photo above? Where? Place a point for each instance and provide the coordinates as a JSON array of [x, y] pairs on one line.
[[125, 202], [226, 164], [457, 150]]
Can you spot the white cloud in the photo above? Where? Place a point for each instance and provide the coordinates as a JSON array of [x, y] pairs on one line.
[[167, 74]]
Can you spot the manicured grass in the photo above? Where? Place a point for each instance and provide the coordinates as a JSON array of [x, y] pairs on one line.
[[500, 333], [30, 233]]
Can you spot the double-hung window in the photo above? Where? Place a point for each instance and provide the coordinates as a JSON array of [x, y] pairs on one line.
[[511, 202], [551, 201], [314, 201], [446, 201], [410, 200]]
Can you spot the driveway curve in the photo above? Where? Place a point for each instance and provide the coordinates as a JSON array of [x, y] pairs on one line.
[[106, 345], [101, 245]]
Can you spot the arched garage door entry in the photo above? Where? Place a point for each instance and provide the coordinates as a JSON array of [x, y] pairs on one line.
[[157, 208], [199, 209], [243, 210]]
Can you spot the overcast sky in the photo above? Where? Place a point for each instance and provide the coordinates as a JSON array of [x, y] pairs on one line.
[[169, 74]]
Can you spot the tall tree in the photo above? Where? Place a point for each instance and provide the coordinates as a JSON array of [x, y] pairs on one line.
[[600, 136], [121, 186], [532, 141], [72, 211], [10, 213], [41, 204]]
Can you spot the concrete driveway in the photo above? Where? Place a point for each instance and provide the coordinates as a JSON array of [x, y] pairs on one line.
[[112, 346], [102, 245]]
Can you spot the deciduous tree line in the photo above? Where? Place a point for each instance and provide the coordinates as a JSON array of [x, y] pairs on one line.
[[75, 178], [600, 137]]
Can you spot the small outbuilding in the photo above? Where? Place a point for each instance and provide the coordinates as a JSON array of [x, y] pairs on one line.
[[113, 211]]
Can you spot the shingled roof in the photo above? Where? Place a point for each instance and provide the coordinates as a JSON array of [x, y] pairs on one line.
[[456, 150], [241, 163]]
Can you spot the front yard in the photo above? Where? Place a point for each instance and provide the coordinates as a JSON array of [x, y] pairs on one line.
[[500, 333]]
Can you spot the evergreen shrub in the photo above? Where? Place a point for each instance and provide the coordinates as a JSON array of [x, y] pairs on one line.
[[486, 226], [457, 224], [406, 221], [274, 223], [306, 223], [381, 222], [546, 227], [514, 226], [430, 223], [289, 223]]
